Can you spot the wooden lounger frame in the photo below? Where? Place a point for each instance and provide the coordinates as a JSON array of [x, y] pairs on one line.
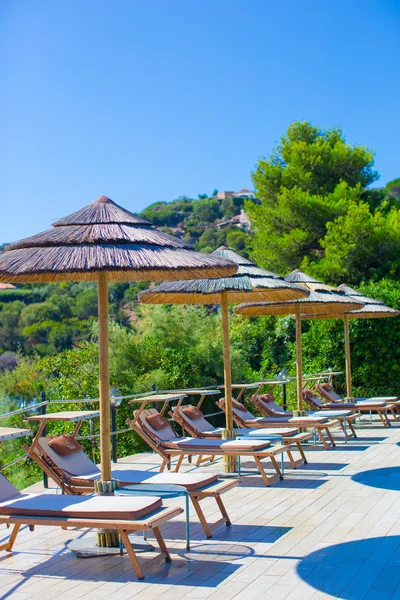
[[123, 527], [167, 454], [294, 440], [381, 411], [321, 428], [77, 486], [349, 418]]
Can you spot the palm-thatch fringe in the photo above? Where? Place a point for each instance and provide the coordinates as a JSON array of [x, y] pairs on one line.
[[123, 262], [300, 278], [105, 237], [249, 283], [99, 234], [370, 311], [102, 211], [351, 292]]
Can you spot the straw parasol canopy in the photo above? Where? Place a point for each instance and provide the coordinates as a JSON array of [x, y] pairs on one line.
[[322, 299], [250, 282], [104, 237], [372, 309], [104, 242]]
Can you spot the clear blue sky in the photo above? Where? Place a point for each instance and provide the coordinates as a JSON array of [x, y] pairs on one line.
[[146, 100]]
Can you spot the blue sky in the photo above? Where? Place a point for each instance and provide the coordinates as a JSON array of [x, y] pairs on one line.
[[148, 100]]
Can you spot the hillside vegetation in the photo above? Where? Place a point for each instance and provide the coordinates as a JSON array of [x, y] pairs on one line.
[[316, 210]]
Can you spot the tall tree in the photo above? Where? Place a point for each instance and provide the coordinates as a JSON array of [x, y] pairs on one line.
[[310, 179]]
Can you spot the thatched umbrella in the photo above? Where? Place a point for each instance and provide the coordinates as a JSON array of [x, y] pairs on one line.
[[372, 309], [321, 300], [104, 242], [249, 283]]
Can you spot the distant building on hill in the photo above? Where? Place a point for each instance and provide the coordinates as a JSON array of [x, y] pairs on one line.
[[243, 193], [242, 221]]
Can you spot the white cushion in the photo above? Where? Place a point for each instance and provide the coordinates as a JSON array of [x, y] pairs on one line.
[[75, 464], [7, 490], [107, 507]]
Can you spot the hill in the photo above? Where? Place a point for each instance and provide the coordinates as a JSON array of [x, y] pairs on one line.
[[207, 222], [47, 319]]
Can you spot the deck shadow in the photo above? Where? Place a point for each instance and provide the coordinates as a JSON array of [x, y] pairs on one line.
[[323, 466], [350, 448], [289, 480], [182, 571], [386, 478], [235, 533], [354, 569]]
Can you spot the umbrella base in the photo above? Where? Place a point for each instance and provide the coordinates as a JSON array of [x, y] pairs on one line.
[[87, 547], [229, 463]]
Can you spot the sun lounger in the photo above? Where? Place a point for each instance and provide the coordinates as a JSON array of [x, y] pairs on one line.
[[350, 414], [124, 515], [193, 422], [166, 442], [364, 406], [76, 474], [244, 418]]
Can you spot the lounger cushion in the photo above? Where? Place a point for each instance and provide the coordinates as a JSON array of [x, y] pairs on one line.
[[73, 465], [65, 444], [192, 412], [265, 431], [269, 402], [325, 389], [103, 507], [191, 481], [309, 395], [164, 434], [238, 405], [157, 422], [7, 490], [200, 424], [218, 445]]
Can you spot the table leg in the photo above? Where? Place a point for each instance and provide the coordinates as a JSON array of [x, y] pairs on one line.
[[345, 429], [187, 522]]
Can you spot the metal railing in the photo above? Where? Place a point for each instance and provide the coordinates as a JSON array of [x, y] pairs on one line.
[[44, 403]]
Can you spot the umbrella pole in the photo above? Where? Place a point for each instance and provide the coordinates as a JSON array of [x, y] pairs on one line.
[[104, 381], [229, 462], [349, 383], [105, 537], [299, 360]]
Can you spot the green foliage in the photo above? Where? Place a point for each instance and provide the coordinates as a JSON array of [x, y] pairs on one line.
[[311, 178], [359, 245], [375, 353]]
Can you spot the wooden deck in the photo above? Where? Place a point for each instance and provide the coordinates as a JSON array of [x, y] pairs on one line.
[[331, 529]]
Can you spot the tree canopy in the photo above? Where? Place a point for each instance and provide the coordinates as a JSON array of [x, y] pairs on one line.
[[317, 210]]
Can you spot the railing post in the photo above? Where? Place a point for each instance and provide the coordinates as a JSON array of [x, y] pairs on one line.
[[153, 389], [43, 412], [284, 397]]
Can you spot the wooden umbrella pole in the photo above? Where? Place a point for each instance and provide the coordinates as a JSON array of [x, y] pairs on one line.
[[104, 381], [299, 360], [227, 361], [349, 383], [229, 462]]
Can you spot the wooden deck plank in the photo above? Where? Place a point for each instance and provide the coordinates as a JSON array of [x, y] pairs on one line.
[[320, 533]]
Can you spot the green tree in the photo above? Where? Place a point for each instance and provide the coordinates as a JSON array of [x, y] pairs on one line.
[[86, 303], [310, 179], [360, 245], [10, 334], [206, 211]]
